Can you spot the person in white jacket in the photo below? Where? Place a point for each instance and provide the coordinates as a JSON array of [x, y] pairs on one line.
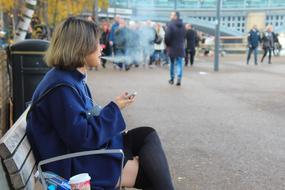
[[159, 44]]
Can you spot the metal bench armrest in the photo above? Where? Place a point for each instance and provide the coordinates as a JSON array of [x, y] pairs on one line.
[[80, 154]]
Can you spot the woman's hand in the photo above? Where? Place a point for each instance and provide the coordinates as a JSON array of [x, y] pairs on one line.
[[124, 100]]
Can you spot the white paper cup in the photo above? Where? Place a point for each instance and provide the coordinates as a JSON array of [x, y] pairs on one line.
[[80, 182]]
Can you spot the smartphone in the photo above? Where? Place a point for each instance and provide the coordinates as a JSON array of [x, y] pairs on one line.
[[132, 95]]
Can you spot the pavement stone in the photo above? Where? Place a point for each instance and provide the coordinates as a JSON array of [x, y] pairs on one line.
[[220, 130]]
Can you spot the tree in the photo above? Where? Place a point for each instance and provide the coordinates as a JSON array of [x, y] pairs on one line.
[[11, 10], [22, 27], [6, 5]]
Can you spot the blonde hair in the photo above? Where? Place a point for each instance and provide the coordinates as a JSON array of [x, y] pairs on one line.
[[269, 27], [72, 41]]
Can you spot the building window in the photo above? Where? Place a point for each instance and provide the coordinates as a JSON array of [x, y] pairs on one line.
[[229, 24], [229, 18], [238, 24], [233, 18], [242, 24], [277, 17], [276, 24]]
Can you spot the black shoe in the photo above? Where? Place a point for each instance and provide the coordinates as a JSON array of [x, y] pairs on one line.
[[178, 83], [171, 81], [127, 67]]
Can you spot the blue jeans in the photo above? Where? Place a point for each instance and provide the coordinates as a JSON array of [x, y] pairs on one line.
[[250, 50], [178, 62]]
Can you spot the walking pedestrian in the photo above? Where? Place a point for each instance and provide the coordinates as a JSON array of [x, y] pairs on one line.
[[253, 40], [191, 42], [104, 42], [268, 42], [174, 40]]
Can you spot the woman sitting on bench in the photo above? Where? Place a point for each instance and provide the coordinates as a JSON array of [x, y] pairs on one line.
[[64, 119]]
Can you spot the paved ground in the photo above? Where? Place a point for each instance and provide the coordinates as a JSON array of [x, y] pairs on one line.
[[221, 131]]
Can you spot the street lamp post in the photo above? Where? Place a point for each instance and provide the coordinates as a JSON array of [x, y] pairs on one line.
[[217, 36]]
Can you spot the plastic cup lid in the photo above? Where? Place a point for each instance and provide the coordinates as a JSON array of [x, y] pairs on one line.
[[79, 178]]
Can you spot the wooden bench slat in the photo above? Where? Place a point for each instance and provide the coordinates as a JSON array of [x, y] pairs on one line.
[[16, 162], [4, 183], [32, 184], [10, 141], [20, 178]]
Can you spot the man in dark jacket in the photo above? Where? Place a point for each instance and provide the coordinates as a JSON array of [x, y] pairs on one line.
[[253, 42], [174, 40], [191, 42]]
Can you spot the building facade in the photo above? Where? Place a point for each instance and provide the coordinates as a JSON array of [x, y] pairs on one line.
[[237, 16]]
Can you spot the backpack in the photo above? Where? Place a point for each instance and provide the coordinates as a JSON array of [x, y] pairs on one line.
[[158, 39]]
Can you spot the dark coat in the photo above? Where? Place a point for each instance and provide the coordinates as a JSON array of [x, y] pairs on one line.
[[191, 39], [62, 123], [175, 38], [268, 40], [253, 38], [104, 40]]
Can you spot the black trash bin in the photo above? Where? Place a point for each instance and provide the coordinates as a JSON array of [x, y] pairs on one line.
[[28, 69]]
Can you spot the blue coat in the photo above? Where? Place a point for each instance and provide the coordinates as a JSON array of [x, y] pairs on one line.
[[175, 38], [60, 125], [253, 38], [113, 31]]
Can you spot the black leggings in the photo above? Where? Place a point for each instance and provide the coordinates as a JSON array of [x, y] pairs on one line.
[[153, 171], [265, 53]]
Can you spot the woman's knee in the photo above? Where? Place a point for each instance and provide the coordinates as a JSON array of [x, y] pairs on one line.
[[141, 131], [147, 129]]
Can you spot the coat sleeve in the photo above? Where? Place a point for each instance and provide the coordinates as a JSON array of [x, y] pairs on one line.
[[75, 129], [168, 34]]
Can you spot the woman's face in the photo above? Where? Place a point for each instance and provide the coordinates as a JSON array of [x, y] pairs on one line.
[[93, 59], [105, 27]]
